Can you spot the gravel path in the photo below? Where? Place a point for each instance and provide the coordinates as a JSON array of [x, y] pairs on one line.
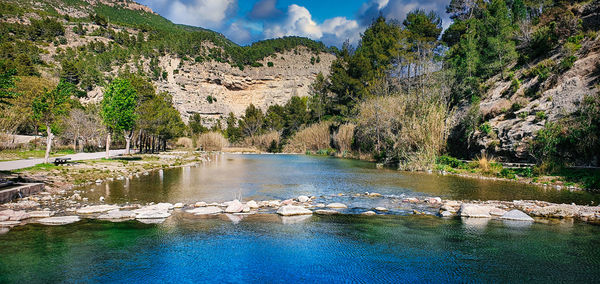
[[26, 163]]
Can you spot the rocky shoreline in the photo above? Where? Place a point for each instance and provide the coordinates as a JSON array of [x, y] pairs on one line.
[[28, 211]]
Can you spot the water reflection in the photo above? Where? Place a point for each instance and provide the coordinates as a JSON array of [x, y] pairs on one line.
[[263, 177]]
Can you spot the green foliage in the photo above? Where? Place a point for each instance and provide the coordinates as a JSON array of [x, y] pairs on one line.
[[450, 161], [540, 115], [7, 84], [486, 128], [119, 105], [270, 64], [210, 99], [53, 104], [195, 124], [566, 63]]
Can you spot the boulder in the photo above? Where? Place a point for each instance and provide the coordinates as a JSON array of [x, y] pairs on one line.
[[62, 220], [516, 215], [96, 209], [337, 205], [287, 202], [446, 214], [433, 200], [303, 198], [497, 211], [381, 209], [452, 206], [234, 207], [274, 203], [205, 210], [475, 211], [368, 213], [153, 215], [374, 194], [178, 205], [4, 218], [14, 215], [556, 211], [291, 210], [200, 204], [326, 212], [252, 204], [411, 200], [117, 214]]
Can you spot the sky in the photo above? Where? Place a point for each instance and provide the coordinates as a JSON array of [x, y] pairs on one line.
[[329, 21]]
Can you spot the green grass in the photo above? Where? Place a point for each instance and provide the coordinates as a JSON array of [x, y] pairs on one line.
[[38, 168]]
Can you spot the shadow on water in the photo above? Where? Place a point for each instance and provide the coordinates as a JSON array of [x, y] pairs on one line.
[[263, 177]]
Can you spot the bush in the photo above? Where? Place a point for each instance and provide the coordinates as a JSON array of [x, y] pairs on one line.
[[263, 142], [486, 128], [567, 63], [312, 138], [343, 138], [540, 115], [450, 161], [212, 141], [270, 64], [185, 142]]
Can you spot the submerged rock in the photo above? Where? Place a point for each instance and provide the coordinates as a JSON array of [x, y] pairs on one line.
[[153, 215], [291, 210], [96, 209], [295, 219], [62, 220], [337, 205], [516, 215], [205, 210], [368, 213], [383, 209]]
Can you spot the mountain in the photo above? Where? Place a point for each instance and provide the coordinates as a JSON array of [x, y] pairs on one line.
[[88, 42]]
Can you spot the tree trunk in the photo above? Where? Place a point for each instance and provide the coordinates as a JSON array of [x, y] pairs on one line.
[[107, 145], [48, 143], [127, 141]]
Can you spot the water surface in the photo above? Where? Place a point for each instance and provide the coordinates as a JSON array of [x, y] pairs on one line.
[[263, 177]]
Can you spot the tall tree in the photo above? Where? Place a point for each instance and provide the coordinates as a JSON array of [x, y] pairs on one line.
[[7, 85], [118, 111], [48, 107]]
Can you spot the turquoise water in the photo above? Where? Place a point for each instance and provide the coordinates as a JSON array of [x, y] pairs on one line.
[[266, 248]]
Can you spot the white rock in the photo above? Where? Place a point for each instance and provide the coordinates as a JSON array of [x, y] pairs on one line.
[[98, 181], [205, 210], [368, 213], [234, 207], [291, 210], [4, 218], [516, 215], [326, 212], [383, 209], [9, 223], [178, 205], [303, 198], [153, 215], [475, 211], [62, 220], [274, 203], [41, 214], [96, 209], [337, 205], [200, 204], [497, 211], [246, 209], [117, 214], [252, 204], [151, 221], [446, 214]]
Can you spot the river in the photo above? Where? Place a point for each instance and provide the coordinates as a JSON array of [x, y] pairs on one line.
[[266, 248]]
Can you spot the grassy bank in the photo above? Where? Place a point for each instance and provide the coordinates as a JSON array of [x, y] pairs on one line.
[[18, 154]]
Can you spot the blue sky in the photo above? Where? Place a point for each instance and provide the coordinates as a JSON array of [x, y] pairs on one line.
[[330, 21]]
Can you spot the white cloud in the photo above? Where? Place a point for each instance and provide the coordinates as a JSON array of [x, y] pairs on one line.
[[203, 13], [298, 22], [238, 33]]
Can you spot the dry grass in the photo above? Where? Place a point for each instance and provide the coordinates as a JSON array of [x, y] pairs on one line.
[[313, 138], [212, 141], [262, 142], [487, 164], [184, 142], [343, 138], [407, 128]]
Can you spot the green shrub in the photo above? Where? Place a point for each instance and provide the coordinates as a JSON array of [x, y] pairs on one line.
[[567, 63], [540, 115], [450, 161], [485, 128], [270, 64], [523, 114], [507, 173]]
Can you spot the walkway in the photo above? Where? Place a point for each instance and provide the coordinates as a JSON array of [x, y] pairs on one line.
[[26, 163]]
